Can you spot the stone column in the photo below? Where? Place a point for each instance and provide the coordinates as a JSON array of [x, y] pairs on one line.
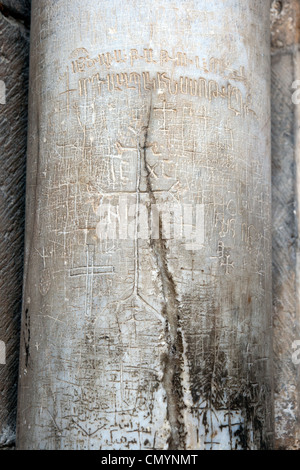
[[14, 55], [147, 296]]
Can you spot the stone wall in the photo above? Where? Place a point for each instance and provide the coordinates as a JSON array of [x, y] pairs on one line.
[[14, 49], [285, 40]]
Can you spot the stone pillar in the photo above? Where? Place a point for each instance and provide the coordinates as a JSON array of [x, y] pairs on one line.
[[14, 54], [147, 295]]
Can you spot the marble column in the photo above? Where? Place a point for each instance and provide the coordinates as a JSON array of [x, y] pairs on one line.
[[147, 290]]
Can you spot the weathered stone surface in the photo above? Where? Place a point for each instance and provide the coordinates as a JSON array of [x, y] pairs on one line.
[[285, 23], [132, 341], [13, 124], [286, 323], [17, 9], [285, 17]]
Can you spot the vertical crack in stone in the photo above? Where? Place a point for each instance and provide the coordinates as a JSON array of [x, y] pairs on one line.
[[173, 359]]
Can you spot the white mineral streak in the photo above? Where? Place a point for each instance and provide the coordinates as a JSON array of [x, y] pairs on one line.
[[131, 342]]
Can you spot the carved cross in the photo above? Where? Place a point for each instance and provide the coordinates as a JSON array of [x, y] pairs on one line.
[[90, 271]]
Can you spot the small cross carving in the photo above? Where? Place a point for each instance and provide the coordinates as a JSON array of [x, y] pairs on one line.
[[90, 271]]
